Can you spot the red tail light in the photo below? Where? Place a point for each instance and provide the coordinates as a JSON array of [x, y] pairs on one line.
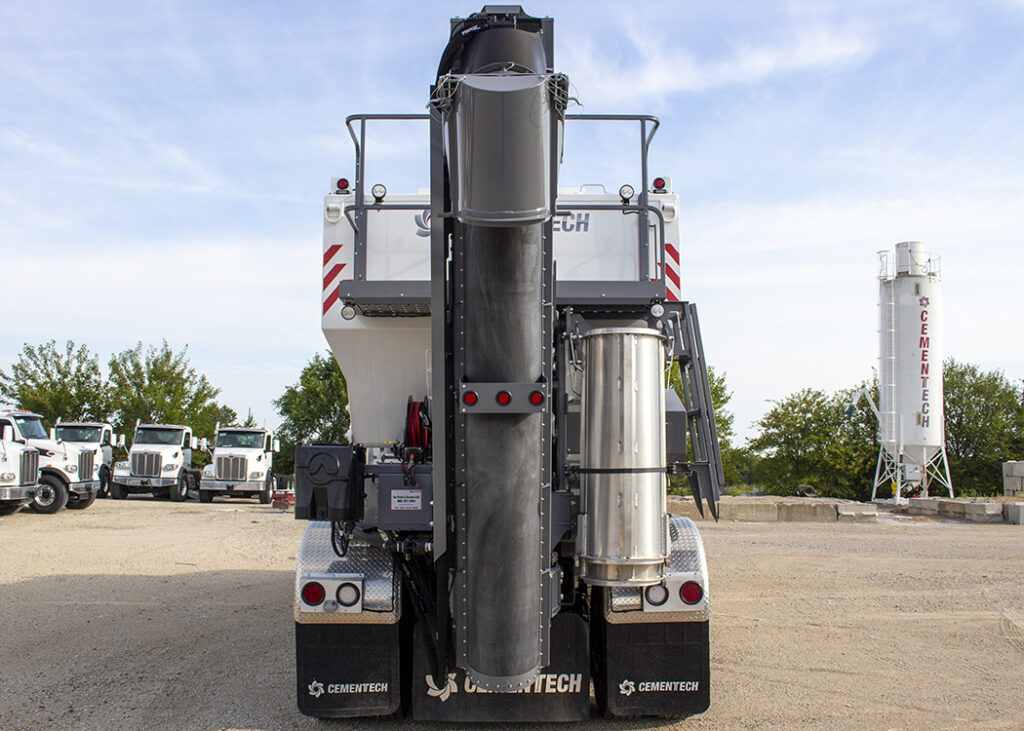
[[470, 398], [504, 398], [342, 184], [536, 398], [313, 593], [691, 592]]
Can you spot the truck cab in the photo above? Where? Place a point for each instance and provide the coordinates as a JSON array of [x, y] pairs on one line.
[[93, 435], [19, 472], [243, 461], [159, 463], [68, 475]]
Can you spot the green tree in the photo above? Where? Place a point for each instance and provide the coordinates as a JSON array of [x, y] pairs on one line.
[[56, 382], [313, 410], [157, 385], [984, 421], [807, 438]]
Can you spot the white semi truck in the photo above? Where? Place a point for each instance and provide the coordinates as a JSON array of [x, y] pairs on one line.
[[242, 466], [19, 472], [159, 463], [68, 476], [495, 539], [94, 435]]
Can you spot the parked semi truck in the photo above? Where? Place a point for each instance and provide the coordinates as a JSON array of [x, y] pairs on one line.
[[68, 475], [159, 462], [19, 472], [495, 538], [94, 435], [242, 466]]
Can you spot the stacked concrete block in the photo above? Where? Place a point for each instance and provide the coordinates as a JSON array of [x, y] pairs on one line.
[[952, 509], [984, 512], [1013, 479], [923, 506], [1013, 513], [749, 512], [807, 511], [857, 512]]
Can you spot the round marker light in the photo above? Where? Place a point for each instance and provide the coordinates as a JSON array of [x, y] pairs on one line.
[[348, 312], [656, 595], [691, 592], [470, 398], [659, 184], [348, 594], [657, 309], [536, 398], [313, 593], [626, 192], [342, 185], [504, 398], [378, 192]]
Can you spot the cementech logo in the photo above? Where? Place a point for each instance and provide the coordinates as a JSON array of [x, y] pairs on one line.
[[628, 687]]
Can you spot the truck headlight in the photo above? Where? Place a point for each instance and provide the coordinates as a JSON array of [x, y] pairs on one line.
[[120, 465], [7, 476], [72, 468], [255, 475], [170, 467]]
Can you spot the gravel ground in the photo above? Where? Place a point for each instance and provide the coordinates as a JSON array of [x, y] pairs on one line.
[[149, 614]]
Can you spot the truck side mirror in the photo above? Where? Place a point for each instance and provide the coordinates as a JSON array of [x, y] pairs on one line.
[[193, 443], [53, 435], [5, 433], [120, 440], [204, 444], [277, 445]]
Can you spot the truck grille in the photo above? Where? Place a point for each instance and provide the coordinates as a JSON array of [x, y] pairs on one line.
[[85, 466], [146, 465], [231, 468], [29, 467]]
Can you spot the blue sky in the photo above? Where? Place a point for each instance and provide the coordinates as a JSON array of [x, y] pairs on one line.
[[162, 167]]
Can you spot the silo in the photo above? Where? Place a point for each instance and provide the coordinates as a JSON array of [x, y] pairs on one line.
[[911, 417]]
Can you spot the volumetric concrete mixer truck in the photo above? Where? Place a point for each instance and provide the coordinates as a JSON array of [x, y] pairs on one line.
[[495, 539]]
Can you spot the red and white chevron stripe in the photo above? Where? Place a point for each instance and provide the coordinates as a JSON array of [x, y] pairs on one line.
[[331, 273], [673, 290]]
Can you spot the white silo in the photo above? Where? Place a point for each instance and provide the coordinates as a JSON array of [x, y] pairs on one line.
[[911, 416]]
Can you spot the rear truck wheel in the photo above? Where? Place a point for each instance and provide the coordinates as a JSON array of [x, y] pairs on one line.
[[81, 503], [267, 489], [179, 492], [10, 509], [51, 495], [205, 496], [118, 492], [104, 482]]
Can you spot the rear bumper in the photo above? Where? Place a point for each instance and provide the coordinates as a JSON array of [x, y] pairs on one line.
[[17, 493], [233, 485]]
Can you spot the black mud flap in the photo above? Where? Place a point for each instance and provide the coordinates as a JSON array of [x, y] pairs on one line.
[[651, 669], [346, 670], [560, 693]]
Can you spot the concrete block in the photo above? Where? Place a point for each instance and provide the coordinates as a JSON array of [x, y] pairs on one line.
[[984, 512], [807, 511], [861, 512], [951, 508], [1013, 486], [1013, 513], [923, 506], [749, 512], [1017, 469]]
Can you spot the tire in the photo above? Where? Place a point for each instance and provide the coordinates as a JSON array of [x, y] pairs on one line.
[[50, 497], [267, 490], [104, 482], [10, 509], [179, 492], [205, 496], [117, 491], [82, 503]]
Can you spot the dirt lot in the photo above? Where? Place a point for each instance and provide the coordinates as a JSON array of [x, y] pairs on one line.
[[149, 614]]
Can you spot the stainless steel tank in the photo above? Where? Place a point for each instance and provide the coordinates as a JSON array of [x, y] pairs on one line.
[[622, 533]]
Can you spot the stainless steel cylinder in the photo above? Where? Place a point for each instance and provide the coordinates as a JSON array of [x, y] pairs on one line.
[[622, 463]]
